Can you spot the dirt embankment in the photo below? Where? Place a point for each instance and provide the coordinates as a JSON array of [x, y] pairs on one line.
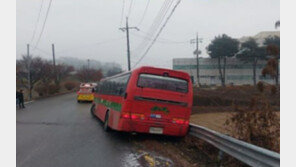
[[182, 152]]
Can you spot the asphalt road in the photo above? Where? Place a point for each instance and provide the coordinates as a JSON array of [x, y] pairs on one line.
[[59, 132]]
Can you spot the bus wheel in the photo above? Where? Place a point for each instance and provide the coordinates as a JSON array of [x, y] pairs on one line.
[[78, 101], [106, 128], [92, 110]]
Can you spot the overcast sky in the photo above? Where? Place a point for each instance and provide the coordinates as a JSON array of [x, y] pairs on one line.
[[89, 29]]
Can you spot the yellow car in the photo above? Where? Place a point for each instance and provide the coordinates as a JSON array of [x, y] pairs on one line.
[[85, 93]]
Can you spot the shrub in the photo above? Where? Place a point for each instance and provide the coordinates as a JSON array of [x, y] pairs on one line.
[[273, 90], [41, 89], [259, 126], [70, 85], [260, 86], [52, 89]]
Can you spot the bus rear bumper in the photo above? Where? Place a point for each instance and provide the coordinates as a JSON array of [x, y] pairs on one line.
[[163, 128], [85, 97]]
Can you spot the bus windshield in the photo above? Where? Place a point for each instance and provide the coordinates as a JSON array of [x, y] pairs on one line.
[[163, 82]]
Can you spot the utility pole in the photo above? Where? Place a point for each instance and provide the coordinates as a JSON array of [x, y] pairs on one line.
[[54, 64], [29, 71], [53, 55], [126, 28], [87, 63], [197, 52]]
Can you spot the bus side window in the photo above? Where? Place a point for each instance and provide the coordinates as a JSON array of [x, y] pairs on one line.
[[107, 89], [122, 84], [114, 86], [101, 88], [97, 89]]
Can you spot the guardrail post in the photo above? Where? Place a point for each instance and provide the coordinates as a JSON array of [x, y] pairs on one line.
[[220, 157]]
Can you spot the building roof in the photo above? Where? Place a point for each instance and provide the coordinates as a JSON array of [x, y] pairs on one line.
[[260, 36]]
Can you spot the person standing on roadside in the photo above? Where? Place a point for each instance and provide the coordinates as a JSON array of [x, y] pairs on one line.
[[17, 98], [21, 99]]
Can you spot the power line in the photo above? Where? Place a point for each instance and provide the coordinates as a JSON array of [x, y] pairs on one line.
[[130, 7], [158, 19], [159, 15], [162, 40], [156, 22], [166, 21], [37, 22], [122, 11], [97, 43], [155, 25], [43, 24], [165, 12], [145, 11], [43, 51], [66, 50]]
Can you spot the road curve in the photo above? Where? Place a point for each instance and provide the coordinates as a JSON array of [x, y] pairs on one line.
[[59, 132]]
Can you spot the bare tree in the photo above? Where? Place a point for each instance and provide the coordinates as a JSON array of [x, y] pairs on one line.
[[39, 69], [89, 75], [62, 71]]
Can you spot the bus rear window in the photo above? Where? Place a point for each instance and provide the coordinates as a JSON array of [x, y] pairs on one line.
[[163, 83], [85, 90]]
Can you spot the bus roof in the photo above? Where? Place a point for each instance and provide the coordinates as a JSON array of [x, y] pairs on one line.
[[150, 69], [117, 75], [162, 71]]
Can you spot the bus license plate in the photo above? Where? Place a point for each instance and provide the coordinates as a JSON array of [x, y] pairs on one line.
[[155, 116], [156, 130]]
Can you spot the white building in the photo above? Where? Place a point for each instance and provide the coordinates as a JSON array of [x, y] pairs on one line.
[[237, 72]]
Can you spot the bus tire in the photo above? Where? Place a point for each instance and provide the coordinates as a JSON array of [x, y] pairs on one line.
[[105, 126], [92, 110], [78, 101]]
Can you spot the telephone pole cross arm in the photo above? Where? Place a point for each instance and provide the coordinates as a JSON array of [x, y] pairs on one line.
[[128, 44]]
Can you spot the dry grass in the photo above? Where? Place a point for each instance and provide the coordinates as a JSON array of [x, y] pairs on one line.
[[214, 121]]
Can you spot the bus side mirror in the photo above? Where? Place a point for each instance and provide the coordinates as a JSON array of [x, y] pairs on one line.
[[125, 95]]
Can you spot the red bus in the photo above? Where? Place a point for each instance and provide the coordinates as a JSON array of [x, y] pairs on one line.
[[145, 100]]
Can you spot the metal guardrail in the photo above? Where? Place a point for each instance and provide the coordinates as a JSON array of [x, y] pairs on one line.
[[245, 152]]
